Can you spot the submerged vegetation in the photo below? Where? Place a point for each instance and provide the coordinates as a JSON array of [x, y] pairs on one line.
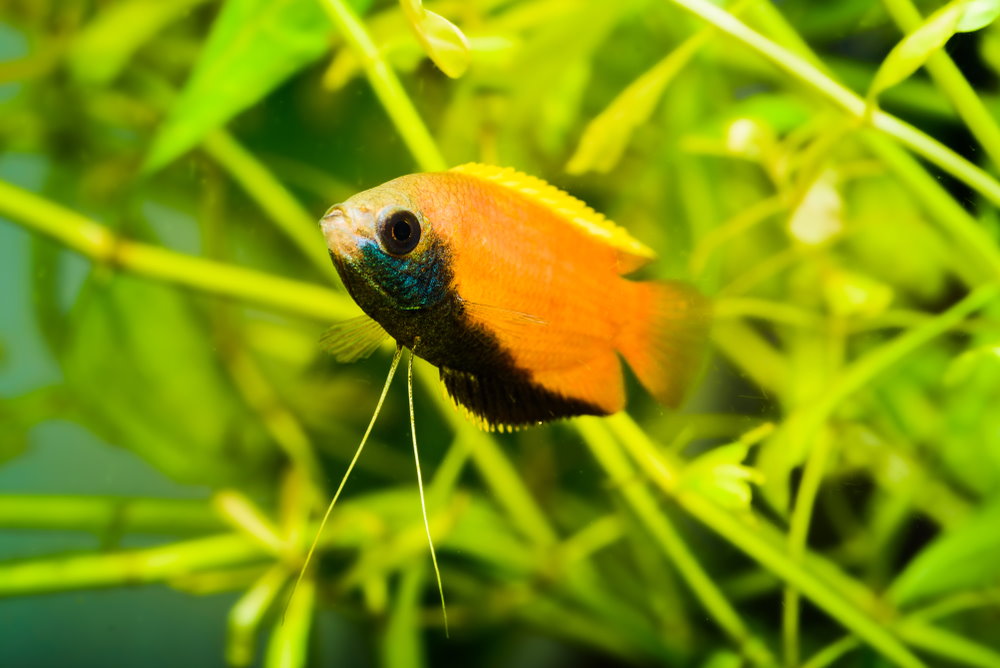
[[828, 496]]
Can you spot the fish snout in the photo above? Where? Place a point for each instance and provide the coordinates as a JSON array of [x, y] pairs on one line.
[[343, 229]]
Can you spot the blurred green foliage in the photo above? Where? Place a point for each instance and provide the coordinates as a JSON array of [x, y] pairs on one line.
[[829, 494]]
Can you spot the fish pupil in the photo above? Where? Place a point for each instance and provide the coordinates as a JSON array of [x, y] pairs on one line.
[[399, 231]]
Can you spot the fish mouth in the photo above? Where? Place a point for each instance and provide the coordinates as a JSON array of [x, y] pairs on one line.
[[343, 228]]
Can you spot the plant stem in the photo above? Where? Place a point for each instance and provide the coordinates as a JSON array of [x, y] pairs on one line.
[[402, 644], [798, 536], [950, 80], [602, 445], [245, 516], [733, 308], [832, 653], [799, 430], [980, 256], [947, 644], [753, 354], [956, 603], [101, 245], [804, 423], [132, 567], [291, 218], [745, 538], [100, 514], [246, 615], [813, 77], [290, 638], [752, 542], [387, 87]]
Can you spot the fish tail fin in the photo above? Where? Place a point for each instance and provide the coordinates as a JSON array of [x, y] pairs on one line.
[[664, 336]]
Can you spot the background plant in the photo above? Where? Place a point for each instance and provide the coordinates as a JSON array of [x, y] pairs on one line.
[[824, 170]]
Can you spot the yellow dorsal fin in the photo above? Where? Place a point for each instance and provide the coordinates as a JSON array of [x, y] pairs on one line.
[[567, 206]]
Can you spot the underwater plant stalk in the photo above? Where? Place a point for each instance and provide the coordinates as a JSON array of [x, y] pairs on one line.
[[101, 245], [750, 540], [390, 92], [615, 463], [950, 80], [813, 77], [280, 205]]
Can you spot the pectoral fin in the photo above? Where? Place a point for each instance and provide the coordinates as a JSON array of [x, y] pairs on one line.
[[354, 339]]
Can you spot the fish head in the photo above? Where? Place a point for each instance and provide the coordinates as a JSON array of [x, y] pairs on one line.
[[384, 246]]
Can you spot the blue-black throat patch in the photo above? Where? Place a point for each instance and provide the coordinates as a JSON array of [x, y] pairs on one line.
[[415, 301], [412, 282]]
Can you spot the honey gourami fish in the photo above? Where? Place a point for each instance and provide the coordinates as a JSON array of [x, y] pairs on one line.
[[515, 291]]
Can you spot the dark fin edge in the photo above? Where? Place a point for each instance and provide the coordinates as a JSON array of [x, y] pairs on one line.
[[509, 404]]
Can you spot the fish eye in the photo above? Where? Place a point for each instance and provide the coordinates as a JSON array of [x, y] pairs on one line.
[[399, 231]]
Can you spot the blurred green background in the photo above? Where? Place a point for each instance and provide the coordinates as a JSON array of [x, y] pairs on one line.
[[170, 432]]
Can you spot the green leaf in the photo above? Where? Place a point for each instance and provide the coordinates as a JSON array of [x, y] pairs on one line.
[[444, 43], [989, 47], [608, 134], [970, 433], [914, 49], [963, 558], [724, 658], [19, 415], [720, 474], [964, 368], [254, 45], [978, 14], [106, 45]]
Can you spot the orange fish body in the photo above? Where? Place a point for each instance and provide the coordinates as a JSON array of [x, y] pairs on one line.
[[514, 290]]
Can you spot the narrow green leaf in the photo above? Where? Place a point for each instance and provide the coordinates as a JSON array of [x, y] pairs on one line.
[[402, 645], [246, 615], [948, 644], [960, 559], [289, 644], [607, 135], [444, 43], [254, 45], [914, 49], [20, 414], [978, 14], [105, 46]]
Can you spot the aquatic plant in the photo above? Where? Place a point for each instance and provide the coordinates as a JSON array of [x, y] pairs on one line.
[[825, 171]]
